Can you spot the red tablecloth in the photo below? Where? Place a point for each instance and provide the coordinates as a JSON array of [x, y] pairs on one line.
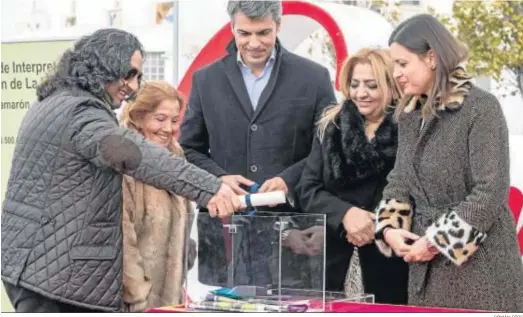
[[382, 308], [350, 307]]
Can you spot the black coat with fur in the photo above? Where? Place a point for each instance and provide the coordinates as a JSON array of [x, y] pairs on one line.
[[345, 169]]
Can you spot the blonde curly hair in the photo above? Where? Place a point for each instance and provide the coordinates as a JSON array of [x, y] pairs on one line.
[[382, 67]]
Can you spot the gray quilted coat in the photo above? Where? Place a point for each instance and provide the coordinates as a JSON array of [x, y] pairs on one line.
[[62, 215]]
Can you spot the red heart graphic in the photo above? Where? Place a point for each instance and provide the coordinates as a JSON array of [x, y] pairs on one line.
[[515, 202]]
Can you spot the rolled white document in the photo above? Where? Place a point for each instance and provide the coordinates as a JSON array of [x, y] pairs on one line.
[[264, 199]]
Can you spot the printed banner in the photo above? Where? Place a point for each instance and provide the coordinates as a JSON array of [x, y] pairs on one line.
[[24, 65]]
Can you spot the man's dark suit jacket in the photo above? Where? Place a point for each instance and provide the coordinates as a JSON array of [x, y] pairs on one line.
[[224, 135]]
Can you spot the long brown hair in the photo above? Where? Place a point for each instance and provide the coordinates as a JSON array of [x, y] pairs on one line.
[[382, 68], [420, 34], [147, 100]]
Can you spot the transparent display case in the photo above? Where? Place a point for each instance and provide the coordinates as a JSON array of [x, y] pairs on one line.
[[260, 262]]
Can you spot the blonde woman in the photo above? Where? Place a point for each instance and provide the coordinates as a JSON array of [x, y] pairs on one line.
[[354, 150], [154, 220]]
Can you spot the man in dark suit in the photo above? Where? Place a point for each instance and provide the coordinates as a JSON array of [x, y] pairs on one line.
[[251, 115]]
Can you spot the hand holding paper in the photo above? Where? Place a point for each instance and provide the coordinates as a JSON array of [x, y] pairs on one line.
[[262, 199], [274, 184]]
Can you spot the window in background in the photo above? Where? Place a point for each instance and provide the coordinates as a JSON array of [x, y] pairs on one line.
[[154, 66]]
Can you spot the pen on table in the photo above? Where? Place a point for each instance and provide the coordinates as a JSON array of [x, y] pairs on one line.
[[239, 307]]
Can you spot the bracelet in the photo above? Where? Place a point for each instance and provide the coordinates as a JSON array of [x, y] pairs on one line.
[[380, 235]]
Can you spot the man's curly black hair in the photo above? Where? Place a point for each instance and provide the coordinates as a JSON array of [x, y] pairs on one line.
[[95, 60]]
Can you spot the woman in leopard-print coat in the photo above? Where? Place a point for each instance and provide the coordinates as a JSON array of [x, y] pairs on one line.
[[445, 207]]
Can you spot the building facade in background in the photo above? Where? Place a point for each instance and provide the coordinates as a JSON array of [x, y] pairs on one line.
[[151, 21]]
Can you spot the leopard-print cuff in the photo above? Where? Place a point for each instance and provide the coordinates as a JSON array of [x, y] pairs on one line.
[[454, 237], [391, 213]]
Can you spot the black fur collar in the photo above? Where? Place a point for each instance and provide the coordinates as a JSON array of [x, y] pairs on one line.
[[349, 156]]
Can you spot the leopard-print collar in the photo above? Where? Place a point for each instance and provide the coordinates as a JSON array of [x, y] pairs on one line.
[[461, 83]]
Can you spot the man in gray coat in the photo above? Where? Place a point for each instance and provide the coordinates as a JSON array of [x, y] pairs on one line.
[[62, 214], [251, 115]]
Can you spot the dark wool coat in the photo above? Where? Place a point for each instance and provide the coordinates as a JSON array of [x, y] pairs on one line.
[[347, 170], [450, 183]]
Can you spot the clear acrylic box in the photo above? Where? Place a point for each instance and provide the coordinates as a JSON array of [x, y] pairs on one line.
[[270, 261]]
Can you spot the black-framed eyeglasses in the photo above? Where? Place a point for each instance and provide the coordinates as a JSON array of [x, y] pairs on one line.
[[133, 72]]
